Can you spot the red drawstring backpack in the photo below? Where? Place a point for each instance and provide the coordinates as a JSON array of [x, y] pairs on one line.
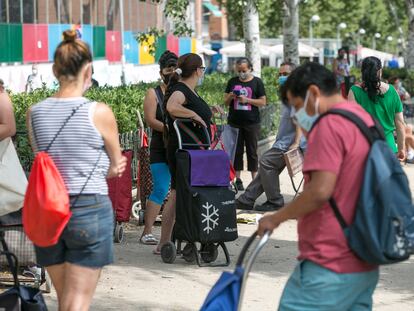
[[46, 209]]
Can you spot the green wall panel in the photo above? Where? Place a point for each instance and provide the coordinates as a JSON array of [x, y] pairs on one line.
[[161, 46], [11, 45], [99, 42]]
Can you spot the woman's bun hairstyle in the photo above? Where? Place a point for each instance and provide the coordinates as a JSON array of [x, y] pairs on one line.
[[70, 35], [71, 55]]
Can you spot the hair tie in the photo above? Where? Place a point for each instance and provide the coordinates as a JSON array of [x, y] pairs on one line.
[[178, 71]]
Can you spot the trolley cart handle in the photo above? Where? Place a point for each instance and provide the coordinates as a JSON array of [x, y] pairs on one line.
[[141, 124], [250, 260], [180, 142]]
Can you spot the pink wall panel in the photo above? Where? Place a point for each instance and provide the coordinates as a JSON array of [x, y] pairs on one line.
[[113, 46], [35, 43], [173, 44]]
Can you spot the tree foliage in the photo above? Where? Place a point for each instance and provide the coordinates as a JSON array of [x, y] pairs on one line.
[[372, 15]]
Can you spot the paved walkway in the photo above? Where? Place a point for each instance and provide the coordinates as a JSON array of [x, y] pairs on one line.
[[140, 281]]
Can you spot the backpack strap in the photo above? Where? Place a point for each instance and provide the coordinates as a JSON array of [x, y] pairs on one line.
[[160, 98], [370, 133]]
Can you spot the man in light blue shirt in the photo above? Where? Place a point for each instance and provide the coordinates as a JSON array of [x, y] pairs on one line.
[[272, 162]]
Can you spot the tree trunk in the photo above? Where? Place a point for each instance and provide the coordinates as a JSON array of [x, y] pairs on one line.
[[252, 35], [409, 55], [291, 31]]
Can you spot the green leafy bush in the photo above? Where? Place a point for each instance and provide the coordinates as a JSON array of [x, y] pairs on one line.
[[126, 100]]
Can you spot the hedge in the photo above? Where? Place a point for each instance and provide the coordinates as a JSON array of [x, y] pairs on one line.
[[125, 100]]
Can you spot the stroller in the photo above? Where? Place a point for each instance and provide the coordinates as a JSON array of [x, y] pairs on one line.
[[14, 239], [205, 211]]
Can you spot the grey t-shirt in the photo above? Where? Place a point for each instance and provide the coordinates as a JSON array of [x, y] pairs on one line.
[[287, 131]]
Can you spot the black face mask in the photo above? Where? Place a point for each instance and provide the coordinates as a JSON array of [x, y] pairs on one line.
[[166, 78], [341, 56]]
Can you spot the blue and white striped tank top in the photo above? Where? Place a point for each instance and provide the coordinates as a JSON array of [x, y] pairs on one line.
[[78, 146]]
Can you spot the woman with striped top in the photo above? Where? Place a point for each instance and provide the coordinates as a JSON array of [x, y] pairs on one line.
[[85, 152]]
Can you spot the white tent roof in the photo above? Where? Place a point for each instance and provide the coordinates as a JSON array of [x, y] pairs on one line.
[[365, 52], [238, 50], [304, 50], [206, 51]]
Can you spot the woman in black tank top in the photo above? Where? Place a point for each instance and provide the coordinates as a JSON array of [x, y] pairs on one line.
[[182, 101], [154, 118]]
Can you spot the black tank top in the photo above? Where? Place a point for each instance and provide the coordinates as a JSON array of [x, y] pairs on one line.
[[157, 149], [193, 102]]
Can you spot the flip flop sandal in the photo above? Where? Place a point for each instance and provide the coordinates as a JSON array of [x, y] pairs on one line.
[[156, 252], [148, 239]]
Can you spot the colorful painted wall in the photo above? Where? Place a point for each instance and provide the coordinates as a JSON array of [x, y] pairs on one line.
[[36, 43]]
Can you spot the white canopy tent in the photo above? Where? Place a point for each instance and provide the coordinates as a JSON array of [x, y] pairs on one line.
[[384, 57], [206, 51], [239, 50], [304, 50]]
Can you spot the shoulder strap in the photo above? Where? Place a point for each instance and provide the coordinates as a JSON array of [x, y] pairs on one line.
[[370, 133], [160, 98]]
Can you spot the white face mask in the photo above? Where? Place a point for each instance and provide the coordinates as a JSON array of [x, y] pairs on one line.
[[244, 75], [304, 120]]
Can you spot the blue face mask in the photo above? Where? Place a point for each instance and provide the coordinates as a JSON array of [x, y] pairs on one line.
[[304, 120], [282, 80]]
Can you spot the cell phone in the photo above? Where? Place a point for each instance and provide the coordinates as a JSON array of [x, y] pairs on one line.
[[236, 92]]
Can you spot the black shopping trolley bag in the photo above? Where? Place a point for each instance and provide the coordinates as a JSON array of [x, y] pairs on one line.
[[205, 210]]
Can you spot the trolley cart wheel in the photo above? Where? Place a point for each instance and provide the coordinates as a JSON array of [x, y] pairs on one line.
[[209, 252], [141, 217], [136, 207], [168, 252], [119, 233], [189, 252]]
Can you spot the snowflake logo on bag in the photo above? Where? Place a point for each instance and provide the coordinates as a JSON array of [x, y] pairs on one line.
[[211, 217]]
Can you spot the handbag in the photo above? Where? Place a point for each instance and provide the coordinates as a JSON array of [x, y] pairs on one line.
[[13, 181], [19, 297]]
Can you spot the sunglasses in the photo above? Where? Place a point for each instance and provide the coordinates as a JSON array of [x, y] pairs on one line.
[[285, 74]]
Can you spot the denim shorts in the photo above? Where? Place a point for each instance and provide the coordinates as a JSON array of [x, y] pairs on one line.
[[87, 239], [312, 287]]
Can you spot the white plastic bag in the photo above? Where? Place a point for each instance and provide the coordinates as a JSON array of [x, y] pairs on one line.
[[13, 181]]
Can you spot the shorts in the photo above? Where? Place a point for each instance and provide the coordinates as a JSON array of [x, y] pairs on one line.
[[161, 182], [312, 287], [87, 239]]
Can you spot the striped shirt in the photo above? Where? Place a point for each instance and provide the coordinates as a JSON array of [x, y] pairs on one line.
[[77, 148]]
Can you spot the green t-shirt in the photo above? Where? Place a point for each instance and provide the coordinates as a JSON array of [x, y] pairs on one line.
[[384, 110]]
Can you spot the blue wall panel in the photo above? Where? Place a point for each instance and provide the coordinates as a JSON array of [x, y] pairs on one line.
[[131, 50], [87, 35], [55, 36], [184, 46]]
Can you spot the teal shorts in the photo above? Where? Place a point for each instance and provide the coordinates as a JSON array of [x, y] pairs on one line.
[[312, 287]]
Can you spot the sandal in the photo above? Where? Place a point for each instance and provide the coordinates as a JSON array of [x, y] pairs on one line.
[[148, 239], [156, 251]]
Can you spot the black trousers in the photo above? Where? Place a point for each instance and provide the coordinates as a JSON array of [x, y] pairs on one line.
[[248, 137]]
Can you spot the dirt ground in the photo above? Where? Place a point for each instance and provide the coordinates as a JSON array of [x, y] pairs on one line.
[[139, 280]]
